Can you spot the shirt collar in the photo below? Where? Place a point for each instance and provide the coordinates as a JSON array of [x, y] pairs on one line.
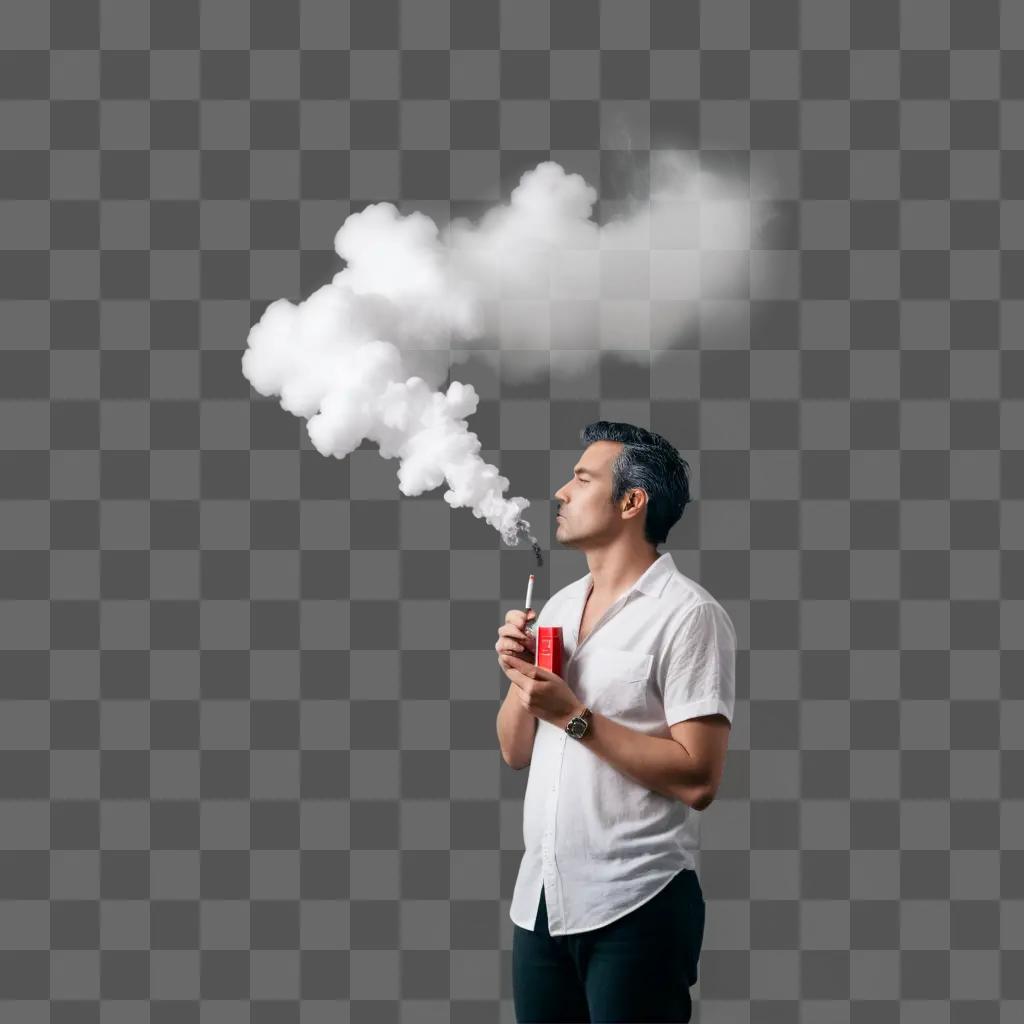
[[652, 581]]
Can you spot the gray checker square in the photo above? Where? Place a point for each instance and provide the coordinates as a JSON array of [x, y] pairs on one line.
[[229, 665]]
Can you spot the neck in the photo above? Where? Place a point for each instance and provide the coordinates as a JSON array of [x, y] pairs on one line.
[[615, 569]]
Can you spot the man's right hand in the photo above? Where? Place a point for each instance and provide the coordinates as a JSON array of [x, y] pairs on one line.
[[511, 637]]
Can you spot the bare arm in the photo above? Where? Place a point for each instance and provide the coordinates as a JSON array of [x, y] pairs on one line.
[[516, 726], [659, 764], [516, 731]]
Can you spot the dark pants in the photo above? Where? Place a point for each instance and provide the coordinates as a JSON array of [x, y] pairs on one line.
[[638, 968]]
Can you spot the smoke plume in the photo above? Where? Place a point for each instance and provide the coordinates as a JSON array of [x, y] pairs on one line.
[[364, 356]]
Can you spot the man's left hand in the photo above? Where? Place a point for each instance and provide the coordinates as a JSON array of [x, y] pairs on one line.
[[545, 695]]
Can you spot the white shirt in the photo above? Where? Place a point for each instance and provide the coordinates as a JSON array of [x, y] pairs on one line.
[[598, 843]]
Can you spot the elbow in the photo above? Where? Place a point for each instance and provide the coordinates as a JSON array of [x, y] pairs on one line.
[[704, 801], [516, 766], [699, 797], [707, 789], [706, 796]]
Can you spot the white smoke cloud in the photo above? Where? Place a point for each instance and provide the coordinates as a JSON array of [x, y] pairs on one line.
[[362, 358]]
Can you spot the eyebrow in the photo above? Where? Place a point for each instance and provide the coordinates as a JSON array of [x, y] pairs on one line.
[[583, 469]]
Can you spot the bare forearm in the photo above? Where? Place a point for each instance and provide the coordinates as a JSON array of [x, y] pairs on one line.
[[516, 731], [660, 764]]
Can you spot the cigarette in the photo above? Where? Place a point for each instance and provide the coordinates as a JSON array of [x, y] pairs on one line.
[[529, 598]]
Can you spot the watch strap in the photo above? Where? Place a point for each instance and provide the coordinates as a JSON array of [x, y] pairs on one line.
[[586, 715]]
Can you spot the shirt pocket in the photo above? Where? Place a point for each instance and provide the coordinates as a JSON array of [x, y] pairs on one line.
[[619, 680]]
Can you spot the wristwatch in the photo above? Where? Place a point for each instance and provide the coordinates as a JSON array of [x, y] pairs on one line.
[[579, 724]]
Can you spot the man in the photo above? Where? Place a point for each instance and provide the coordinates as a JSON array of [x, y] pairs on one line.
[[626, 748]]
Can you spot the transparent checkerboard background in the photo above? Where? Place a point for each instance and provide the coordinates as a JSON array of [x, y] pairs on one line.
[[248, 766]]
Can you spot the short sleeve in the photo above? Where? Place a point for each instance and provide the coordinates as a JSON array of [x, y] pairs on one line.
[[700, 674]]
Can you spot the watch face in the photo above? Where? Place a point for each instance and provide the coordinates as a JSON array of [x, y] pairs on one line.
[[578, 726]]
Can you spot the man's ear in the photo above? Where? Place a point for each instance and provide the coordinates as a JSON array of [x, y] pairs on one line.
[[633, 499]]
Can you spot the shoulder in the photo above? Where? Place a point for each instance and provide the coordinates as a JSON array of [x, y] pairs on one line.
[[689, 606]]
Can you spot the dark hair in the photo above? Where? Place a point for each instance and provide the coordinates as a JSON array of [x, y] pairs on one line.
[[647, 461]]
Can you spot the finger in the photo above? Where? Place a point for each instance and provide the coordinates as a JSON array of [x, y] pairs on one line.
[[513, 633], [522, 667]]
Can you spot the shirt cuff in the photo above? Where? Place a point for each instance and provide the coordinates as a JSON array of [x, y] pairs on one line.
[[695, 708]]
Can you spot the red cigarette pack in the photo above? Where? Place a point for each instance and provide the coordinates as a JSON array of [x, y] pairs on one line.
[[549, 648]]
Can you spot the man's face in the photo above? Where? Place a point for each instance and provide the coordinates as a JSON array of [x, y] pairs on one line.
[[588, 517]]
